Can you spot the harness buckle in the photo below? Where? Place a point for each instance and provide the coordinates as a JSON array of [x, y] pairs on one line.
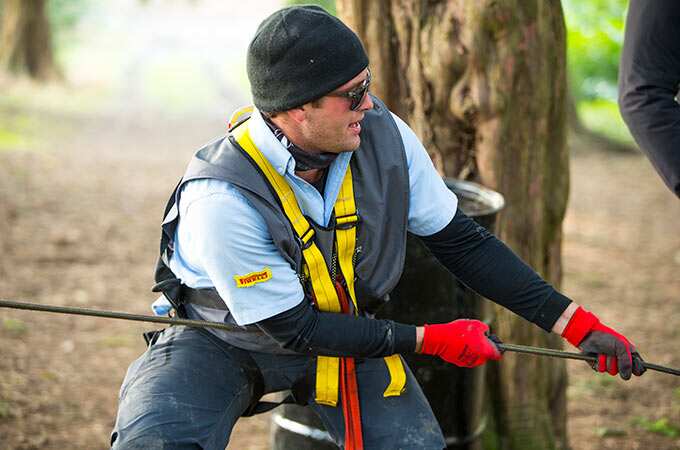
[[347, 222], [238, 117], [307, 238]]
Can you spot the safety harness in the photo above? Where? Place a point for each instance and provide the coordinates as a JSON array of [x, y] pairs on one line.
[[329, 289]]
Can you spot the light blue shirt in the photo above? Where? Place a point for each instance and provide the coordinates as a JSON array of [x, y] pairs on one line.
[[221, 235]]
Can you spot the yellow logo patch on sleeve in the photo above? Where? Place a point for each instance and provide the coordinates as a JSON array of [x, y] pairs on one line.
[[253, 278]]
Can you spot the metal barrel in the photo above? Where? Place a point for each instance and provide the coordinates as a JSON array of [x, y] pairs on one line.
[[426, 293], [296, 427]]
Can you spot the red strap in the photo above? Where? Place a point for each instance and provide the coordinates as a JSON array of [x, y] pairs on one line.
[[350, 405], [349, 389]]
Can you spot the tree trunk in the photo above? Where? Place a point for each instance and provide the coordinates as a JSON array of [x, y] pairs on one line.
[[25, 40], [483, 84]]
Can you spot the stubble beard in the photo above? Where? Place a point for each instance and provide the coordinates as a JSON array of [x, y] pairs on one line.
[[343, 142]]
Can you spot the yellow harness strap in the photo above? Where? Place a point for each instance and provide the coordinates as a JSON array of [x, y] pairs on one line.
[[346, 235], [328, 368]]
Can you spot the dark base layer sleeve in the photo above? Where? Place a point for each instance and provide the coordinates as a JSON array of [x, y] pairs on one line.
[[649, 84], [487, 266], [306, 330]]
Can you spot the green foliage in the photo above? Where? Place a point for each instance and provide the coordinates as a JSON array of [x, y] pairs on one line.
[[328, 5], [118, 341], [14, 326], [661, 426], [605, 432], [594, 41], [5, 410], [17, 131], [11, 140], [603, 117], [63, 16]]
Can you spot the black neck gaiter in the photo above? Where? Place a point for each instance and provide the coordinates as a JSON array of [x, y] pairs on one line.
[[303, 160]]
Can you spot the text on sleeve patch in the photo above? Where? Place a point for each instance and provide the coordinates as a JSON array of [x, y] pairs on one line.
[[253, 278]]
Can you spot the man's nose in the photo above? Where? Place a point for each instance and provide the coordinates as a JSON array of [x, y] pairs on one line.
[[366, 104]]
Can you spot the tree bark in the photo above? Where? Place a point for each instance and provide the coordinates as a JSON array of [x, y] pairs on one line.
[[483, 84], [25, 40]]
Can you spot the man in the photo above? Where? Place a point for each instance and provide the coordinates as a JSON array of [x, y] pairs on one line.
[[294, 226], [649, 84]]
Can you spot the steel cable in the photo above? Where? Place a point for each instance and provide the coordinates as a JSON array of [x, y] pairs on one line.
[[223, 326]]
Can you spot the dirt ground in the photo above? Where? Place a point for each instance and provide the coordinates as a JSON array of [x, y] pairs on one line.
[[79, 214], [622, 259]]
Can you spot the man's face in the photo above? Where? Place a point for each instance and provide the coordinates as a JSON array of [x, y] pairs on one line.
[[330, 125]]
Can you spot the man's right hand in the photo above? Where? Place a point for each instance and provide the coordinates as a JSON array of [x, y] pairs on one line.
[[463, 342]]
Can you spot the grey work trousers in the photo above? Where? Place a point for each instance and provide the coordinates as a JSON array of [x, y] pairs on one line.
[[189, 388]]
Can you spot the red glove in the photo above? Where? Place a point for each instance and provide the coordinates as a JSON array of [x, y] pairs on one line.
[[463, 342], [616, 354]]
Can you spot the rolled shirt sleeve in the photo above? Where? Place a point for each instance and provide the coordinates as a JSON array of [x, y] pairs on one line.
[[432, 205], [221, 238]]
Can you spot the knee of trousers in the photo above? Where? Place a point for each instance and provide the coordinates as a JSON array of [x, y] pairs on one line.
[[148, 442]]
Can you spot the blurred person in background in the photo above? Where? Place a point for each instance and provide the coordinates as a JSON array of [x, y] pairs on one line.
[[649, 84], [292, 228]]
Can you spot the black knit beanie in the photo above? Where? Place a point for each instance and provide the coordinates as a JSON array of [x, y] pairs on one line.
[[300, 54]]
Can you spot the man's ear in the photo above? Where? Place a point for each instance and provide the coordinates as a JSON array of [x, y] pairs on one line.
[[298, 115]]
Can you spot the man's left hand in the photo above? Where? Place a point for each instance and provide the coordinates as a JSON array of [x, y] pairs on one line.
[[615, 353]]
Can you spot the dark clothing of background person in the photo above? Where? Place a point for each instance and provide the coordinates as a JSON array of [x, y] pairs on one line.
[[649, 80]]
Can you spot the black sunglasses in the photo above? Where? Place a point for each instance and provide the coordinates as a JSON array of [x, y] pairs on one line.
[[357, 94]]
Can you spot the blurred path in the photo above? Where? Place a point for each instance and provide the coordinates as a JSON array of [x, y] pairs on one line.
[[173, 57], [82, 203], [621, 258]]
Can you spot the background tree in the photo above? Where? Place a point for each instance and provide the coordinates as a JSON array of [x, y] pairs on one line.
[[328, 5], [594, 42], [26, 40], [483, 84]]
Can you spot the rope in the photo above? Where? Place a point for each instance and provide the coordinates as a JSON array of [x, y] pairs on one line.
[[227, 327]]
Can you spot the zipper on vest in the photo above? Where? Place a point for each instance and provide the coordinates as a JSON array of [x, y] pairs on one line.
[[340, 281], [355, 257], [334, 262]]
